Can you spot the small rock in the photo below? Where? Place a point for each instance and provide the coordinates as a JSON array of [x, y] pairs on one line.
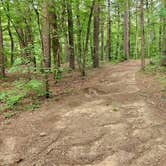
[[43, 134]]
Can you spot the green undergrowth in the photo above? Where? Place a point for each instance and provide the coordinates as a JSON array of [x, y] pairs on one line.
[[158, 71], [20, 96]]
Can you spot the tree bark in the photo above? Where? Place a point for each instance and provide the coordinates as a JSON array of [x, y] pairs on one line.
[[87, 39], [126, 32], [96, 35], [102, 40], [163, 60], [109, 32], [10, 34], [55, 38], [136, 31], [46, 35], [79, 33], [2, 58], [71, 34], [46, 44], [118, 33], [142, 36]]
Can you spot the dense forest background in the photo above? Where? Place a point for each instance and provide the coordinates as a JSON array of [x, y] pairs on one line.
[[48, 37]]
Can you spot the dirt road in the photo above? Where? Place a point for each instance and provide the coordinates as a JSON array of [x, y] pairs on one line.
[[107, 123]]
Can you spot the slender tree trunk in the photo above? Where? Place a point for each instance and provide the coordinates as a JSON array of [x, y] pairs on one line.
[[30, 42], [46, 36], [142, 36], [136, 32], [64, 27], [55, 39], [118, 34], [164, 30], [91, 46], [129, 28], [79, 33], [102, 40], [11, 43], [96, 36], [163, 60], [2, 58], [10, 35], [71, 34], [126, 32], [39, 29], [160, 37], [109, 32], [46, 44], [87, 39], [148, 23]]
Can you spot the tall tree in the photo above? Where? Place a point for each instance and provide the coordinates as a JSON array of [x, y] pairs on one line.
[[2, 58], [87, 38], [118, 31], [55, 37], [136, 32], [79, 34], [142, 36], [96, 35], [71, 34], [126, 30], [109, 31], [102, 40], [7, 11], [46, 35], [46, 43], [164, 35]]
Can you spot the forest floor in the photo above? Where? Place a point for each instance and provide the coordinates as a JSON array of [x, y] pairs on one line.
[[115, 117]]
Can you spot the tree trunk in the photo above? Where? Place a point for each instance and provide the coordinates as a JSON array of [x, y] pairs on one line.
[[46, 35], [102, 40], [87, 39], [142, 36], [10, 34], [71, 34], [102, 36], [55, 39], [39, 28], [129, 28], [109, 32], [160, 37], [163, 60], [136, 31], [79, 33], [46, 44], [96, 36], [2, 58], [126, 32], [118, 33], [30, 42], [148, 34]]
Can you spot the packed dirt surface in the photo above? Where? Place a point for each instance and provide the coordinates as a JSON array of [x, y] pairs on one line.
[[107, 123]]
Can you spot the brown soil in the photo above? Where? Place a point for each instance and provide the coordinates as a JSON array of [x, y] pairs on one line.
[[112, 120]]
